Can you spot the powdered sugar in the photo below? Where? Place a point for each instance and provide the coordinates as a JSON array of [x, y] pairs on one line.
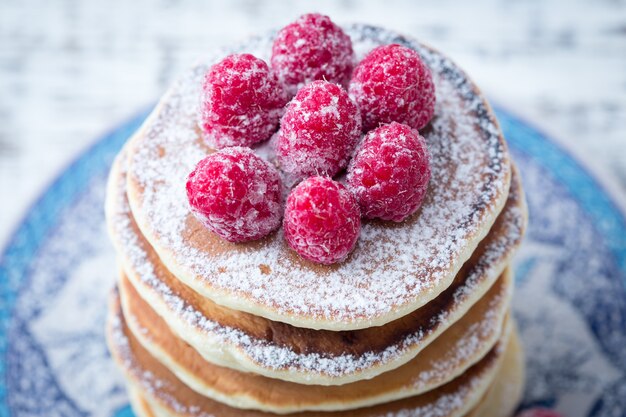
[[318, 132], [452, 399], [241, 103], [392, 269], [392, 84], [312, 48], [236, 194], [436, 365], [180, 313], [394, 148], [322, 220]]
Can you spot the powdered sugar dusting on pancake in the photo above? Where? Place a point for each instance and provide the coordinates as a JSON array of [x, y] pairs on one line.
[[140, 259], [161, 386], [395, 268]]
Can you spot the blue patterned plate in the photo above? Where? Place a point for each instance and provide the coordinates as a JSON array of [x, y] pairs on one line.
[[570, 303]]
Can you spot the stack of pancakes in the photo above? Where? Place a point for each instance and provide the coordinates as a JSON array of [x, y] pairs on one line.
[[416, 322]]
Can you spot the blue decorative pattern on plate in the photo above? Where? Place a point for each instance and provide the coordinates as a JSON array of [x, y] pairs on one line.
[[570, 301]]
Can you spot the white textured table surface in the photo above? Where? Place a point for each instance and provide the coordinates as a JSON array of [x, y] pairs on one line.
[[70, 70]]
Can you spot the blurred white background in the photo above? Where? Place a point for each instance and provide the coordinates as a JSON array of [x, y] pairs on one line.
[[71, 70]]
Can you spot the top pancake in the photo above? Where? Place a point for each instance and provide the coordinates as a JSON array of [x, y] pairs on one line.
[[395, 269]]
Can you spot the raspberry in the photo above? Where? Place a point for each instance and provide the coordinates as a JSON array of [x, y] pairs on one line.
[[390, 172], [318, 132], [242, 102], [392, 84], [322, 220], [312, 48], [236, 194], [539, 412]]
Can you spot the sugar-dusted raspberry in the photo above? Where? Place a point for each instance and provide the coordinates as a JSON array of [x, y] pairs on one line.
[[318, 132], [322, 220], [242, 102], [539, 412], [392, 84], [312, 48], [236, 194], [390, 172]]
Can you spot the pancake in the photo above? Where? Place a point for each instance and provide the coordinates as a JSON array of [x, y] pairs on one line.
[[448, 356], [249, 343], [168, 396], [500, 401], [395, 268], [140, 406], [505, 394]]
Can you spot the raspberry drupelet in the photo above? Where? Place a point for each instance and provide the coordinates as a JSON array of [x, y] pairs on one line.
[[390, 172], [312, 48], [393, 84], [242, 102], [318, 132], [236, 194], [322, 220]]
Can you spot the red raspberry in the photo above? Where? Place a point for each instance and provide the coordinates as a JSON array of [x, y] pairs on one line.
[[322, 220], [392, 84], [318, 132], [236, 194], [539, 412], [242, 102], [390, 172], [312, 48]]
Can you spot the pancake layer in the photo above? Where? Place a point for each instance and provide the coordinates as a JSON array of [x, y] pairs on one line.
[[505, 394], [451, 354], [395, 269], [140, 406], [166, 394], [416, 322], [499, 401], [250, 343]]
